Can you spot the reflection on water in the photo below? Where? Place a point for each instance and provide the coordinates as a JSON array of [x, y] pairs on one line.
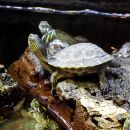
[[17, 122]]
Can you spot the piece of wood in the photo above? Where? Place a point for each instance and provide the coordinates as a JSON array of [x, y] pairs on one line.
[[30, 79], [102, 5]]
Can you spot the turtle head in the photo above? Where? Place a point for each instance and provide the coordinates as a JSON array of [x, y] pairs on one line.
[[47, 31], [37, 46], [125, 50], [45, 27]]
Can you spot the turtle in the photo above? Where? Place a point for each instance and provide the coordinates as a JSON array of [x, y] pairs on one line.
[[75, 60], [50, 34], [55, 39]]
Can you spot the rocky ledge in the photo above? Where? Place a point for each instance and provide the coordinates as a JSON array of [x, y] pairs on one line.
[[79, 103]]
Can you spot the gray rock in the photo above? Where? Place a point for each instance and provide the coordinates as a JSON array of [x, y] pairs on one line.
[[105, 113], [7, 84], [118, 75]]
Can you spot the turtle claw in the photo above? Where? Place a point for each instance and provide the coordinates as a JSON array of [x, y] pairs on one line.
[[105, 89], [54, 79]]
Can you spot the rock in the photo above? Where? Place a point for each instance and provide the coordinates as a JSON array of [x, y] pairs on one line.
[[7, 84], [76, 88], [81, 119], [118, 75], [10, 94], [103, 113]]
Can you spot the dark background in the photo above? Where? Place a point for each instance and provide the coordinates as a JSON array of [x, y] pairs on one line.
[[15, 26]]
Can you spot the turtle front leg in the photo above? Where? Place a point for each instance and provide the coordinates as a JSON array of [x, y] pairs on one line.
[[54, 79], [104, 84]]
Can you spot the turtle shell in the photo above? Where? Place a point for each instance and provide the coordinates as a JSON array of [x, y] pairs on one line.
[[81, 55]]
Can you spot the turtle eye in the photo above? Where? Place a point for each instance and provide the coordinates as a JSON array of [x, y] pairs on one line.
[[45, 29]]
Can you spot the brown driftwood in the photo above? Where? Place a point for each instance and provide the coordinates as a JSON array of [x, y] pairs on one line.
[[34, 83]]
